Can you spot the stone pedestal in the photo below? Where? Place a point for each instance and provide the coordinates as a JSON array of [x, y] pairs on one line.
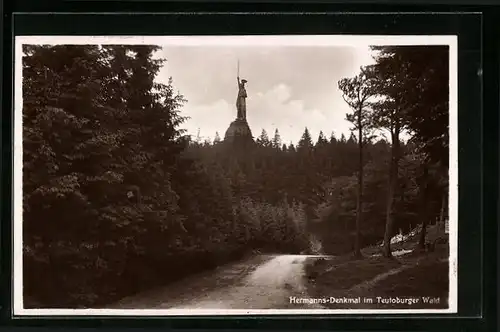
[[238, 131]]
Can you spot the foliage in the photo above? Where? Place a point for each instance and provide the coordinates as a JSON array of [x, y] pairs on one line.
[[413, 85], [305, 142], [263, 139], [420, 87], [358, 93], [276, 142]]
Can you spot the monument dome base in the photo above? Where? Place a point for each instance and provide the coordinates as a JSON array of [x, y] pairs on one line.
[[239, 132]]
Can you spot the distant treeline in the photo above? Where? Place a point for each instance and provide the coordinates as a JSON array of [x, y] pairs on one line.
[[321, 175]]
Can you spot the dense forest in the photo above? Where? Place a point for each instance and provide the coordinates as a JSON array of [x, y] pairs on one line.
[[118, 199]]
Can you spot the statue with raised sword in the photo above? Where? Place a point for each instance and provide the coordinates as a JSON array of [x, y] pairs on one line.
[[241, 104]]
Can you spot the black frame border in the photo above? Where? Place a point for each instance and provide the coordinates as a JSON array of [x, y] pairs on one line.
[[472, 140]]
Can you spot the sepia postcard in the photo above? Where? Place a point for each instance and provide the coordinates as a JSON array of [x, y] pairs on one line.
[[235, 175]]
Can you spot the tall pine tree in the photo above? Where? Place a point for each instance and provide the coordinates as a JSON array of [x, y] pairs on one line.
[[305, 142], [276, 142], [357, 93], [263, 139]]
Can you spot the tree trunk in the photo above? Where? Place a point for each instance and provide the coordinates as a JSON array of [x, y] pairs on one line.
[[359, 208], [443, 208], [389, 218], [423, 231], [393, 182], [423, 208]]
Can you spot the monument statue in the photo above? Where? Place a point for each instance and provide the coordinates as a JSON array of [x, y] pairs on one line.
[[241, 103], [239, 132]]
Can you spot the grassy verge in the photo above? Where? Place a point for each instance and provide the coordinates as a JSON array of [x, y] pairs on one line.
[[427, 282], [414, 281]]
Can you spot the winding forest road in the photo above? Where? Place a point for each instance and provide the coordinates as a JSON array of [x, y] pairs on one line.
[[263, 282]]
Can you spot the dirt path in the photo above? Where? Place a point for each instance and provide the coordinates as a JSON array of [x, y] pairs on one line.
[[266, 282]]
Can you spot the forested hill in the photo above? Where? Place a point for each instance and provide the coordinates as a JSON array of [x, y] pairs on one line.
[[118, 199]]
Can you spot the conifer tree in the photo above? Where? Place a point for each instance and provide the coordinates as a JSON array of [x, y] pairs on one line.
[[413, 84], [217, 138], [95, 132], [322, 141], [357, 93], [305, 142], [263, 139], [342, 138], [352, 139], [333, 139], [276, 142]]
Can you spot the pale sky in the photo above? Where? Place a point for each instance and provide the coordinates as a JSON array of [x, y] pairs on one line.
[[292, 80], [289, 87]]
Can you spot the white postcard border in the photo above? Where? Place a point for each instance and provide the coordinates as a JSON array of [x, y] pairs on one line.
[[242, 41]]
